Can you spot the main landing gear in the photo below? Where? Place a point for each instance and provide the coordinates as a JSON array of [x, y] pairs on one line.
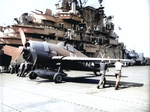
[[58, 77], [96, 73]]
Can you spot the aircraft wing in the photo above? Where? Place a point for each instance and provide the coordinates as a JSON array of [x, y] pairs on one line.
[[84, 59], [82, 63], [89, 59]]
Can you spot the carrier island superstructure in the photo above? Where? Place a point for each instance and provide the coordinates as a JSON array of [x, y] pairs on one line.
[[88, 29]]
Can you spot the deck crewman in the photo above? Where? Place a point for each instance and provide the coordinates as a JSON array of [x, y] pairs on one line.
[[118, 67], [103, 68]]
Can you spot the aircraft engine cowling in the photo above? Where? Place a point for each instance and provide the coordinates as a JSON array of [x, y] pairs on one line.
[[27, 55], [38, 53]]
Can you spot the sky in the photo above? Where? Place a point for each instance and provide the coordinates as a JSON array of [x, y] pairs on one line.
[[132, 16]]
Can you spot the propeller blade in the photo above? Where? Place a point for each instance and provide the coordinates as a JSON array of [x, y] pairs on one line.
[[13, 52], [23, 38], [34, 56]]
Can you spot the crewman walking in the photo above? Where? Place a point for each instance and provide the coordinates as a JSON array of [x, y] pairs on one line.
[[118, 67], [103, 68]]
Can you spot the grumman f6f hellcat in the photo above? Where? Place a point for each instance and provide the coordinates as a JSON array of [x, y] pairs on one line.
[[55, 58]]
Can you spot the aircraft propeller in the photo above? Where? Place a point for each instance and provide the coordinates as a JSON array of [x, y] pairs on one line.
[[16, 52], [13, 51], [23, 38]]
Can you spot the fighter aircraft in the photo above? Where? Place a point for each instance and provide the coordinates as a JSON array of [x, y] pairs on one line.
[[55, 58]]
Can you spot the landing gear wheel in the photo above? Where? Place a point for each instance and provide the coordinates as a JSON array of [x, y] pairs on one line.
[[32, 75], [57, 78], [96, 73]]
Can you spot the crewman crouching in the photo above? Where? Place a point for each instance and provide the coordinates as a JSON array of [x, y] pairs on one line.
[[21, 69]]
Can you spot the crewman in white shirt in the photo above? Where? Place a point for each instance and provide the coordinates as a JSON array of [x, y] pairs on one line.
[[118, 67]]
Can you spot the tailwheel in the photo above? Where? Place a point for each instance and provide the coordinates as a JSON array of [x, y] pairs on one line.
[[57, 78], [96, 73]]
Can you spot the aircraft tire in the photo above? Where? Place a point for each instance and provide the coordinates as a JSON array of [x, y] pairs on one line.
[[57, 78], [125, 64], [96, 73], [32, 75]]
